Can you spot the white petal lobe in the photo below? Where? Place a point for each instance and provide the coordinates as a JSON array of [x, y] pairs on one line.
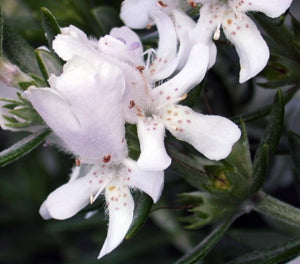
[[213, 136], [120, 207], [151, 135], [73, 196], [250, 46], [150, 182]]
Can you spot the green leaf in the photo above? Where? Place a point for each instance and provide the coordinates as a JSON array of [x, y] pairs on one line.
[[282, 252], [22, 147], [24, 113], [240, 156], [279, 37], [37, 81], [260, 169], [50, 25], [107, 18], [143, 206], [48, 63], [202, 249], [19, 51], [288, 95], [294, 142], [269, 141]]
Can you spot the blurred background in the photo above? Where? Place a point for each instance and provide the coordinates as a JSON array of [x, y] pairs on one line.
[[26, 238]]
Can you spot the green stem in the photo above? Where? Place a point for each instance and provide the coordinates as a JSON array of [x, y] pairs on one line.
[[270, 206]]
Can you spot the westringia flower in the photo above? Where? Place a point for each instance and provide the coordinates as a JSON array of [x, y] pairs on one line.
[[174, 28], [155, 108], [84, 107], [238, 28]]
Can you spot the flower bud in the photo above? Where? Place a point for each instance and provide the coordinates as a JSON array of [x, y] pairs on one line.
[[11, 75]]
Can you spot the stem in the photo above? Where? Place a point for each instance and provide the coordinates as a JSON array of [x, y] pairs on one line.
[[268, 205]]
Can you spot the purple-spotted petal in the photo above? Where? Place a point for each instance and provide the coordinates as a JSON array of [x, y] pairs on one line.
[[151, 133], [191, 74], [272, 8], [250, 46], [211, 135], [211, 15], [73, 196], [120, 207], [150, 182]]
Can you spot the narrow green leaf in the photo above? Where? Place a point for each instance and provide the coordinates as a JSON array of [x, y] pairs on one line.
[[7, 100], [18, 124], [24, 113], [260, 169], [10, 119], [19, 51], [269, 141], [282, 252], [294, 141], [288, 95], [38, 82], [48, 63], [240, 156], [22, 147], [202, 249], [280, 38], [107, 18], [141, 213], [50, 25]]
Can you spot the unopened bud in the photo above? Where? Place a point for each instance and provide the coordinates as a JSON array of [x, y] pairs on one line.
[[11, 75]]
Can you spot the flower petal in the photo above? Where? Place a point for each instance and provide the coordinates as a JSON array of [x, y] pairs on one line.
[[250, 46], [211, 15], [272, 8], [71, 197], [167, 46], [151, 133], [131, 40], [90, 100], [192, 74], [150, 182], [74, 42], [211, 135], [135, 13], [120, 207], [56, 112], [184, 25], [44, 211]]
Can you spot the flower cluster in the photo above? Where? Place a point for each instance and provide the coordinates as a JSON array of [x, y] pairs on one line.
[[112, 81]]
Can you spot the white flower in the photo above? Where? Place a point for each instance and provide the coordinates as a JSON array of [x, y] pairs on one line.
[[84, 108], [239, 29], [174, 28], [155, 108]]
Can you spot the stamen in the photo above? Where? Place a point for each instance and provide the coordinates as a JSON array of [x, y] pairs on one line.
[[91, 199], [217, 33], [150, 53]]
